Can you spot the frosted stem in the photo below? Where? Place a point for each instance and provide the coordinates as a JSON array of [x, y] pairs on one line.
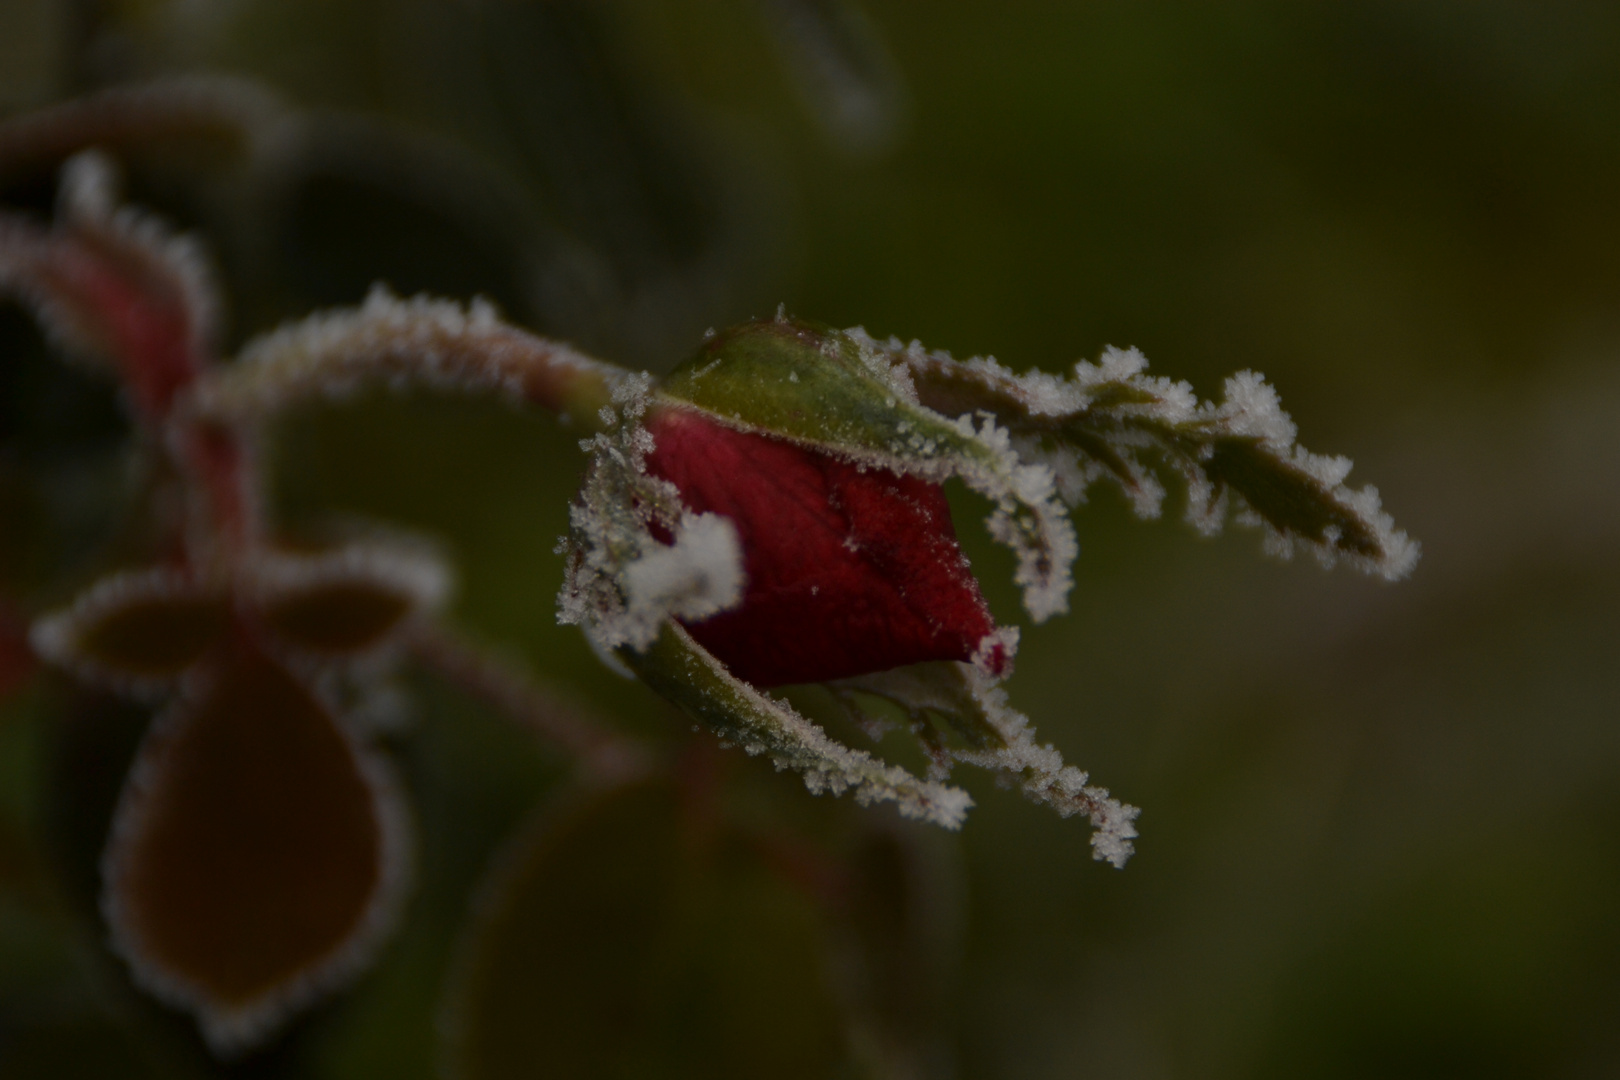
[[400, 343]]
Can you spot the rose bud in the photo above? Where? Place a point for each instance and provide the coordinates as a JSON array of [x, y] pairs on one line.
[[773, 514], [848, 569]]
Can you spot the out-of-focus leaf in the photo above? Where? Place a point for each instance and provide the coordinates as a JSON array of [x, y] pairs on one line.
[[898, 921], [349, 601], [620, 940], [257, 854], [135, 631], [841, 68]]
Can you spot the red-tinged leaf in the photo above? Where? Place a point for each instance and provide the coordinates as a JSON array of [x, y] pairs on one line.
[[850, 569], [258, 855], [610, 944], [135, 631], [114, 286], [348, 601]]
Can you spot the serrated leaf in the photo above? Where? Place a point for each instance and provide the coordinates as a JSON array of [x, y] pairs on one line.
[[136, 631], [615, 940], [1112, 420], [683, 672], [258, 854]]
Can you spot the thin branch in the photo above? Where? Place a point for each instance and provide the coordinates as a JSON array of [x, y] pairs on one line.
[[603, 755], [234, 114], [399, 343]]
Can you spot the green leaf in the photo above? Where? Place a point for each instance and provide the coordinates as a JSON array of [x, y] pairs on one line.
[[1112, 421]]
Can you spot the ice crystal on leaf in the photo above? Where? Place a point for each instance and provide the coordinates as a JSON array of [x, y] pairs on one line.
[[1112, 421], [992, 735]]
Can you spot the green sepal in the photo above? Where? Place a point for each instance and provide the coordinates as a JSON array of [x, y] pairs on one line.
[[682, 671], [808, 382], [1112, 419], [945, 699]]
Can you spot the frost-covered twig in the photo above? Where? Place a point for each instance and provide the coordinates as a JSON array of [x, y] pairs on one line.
[[421, 341]]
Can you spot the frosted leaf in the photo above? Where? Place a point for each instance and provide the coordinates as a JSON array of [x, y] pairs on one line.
[[114, 286], [682, 671], [990, 734], [135, 632], [259, 854], [398, 343], [200, 110], [1111, 420], [347, 603]]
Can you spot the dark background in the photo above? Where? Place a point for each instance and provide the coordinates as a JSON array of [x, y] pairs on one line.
[[1381, 824]]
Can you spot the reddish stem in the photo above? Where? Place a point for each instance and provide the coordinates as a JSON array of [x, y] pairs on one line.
[[17, 660]]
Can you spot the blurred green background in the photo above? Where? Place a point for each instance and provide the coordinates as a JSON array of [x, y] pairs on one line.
[[1381, 824]]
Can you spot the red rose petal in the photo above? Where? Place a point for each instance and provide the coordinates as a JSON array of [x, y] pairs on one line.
[[256, 853], [849, 571]]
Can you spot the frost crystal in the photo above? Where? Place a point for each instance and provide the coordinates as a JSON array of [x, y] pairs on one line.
[[622, 584], [679, 668], [997, 737], [699, 575]]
